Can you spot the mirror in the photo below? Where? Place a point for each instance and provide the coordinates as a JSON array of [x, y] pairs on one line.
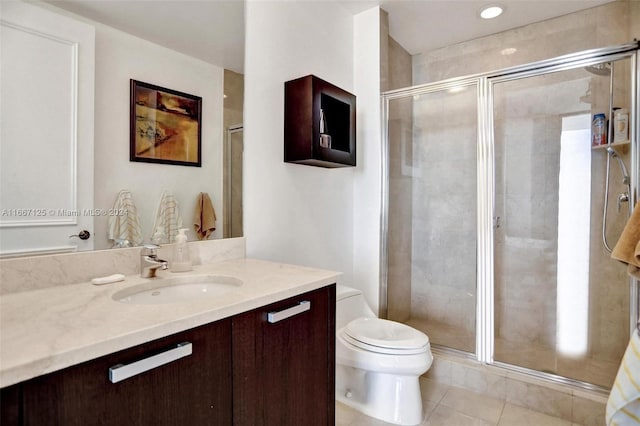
[[191, 47]]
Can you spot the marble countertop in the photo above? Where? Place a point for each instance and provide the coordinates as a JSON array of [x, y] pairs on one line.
[[50, 329]]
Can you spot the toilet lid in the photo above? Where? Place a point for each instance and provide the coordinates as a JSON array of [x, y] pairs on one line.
[[386, 334]]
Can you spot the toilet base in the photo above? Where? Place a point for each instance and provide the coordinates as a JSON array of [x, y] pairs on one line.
[[389, 397]]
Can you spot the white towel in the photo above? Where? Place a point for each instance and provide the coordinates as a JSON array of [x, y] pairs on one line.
[[623, 405], [168, 220], [124, 229]]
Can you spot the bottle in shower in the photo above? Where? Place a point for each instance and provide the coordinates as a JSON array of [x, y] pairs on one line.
[[598, 130]]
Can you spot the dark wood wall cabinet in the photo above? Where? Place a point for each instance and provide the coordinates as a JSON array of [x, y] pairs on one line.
[[319, 123], [271, 366]]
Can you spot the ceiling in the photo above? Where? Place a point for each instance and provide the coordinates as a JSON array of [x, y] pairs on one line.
[[420, 26], [213, 30]]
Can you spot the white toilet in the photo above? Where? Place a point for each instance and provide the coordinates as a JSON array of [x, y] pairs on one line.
[[378, 362]]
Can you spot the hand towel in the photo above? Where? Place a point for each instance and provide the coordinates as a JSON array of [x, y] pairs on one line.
[[623, 405], [123, 230], [168, 220], [204, 221], [627, 249]]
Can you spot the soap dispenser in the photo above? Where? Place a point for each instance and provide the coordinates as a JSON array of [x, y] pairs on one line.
[[181, 262]]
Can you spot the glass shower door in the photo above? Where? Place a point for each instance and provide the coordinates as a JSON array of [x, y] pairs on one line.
[[234, 153], [431, 278], [561, 302]]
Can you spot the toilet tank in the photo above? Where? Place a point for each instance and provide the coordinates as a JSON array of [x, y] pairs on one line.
[[350, 304]]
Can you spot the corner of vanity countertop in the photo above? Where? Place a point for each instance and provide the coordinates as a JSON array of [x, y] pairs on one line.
[[46, 330]]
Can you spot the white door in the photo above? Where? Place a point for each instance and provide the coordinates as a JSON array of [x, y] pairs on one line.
[[46, 131]]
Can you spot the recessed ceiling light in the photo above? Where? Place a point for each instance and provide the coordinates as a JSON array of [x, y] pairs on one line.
[[491, 12], [508, 51]]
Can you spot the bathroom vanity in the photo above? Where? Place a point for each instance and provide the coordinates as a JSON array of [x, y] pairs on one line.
[[262, 353]]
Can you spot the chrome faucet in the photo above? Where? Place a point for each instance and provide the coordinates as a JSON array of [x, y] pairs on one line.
[[149, 262]]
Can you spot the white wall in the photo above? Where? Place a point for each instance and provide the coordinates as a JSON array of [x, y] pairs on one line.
[[368, 174], [302, 214], [120, 57]]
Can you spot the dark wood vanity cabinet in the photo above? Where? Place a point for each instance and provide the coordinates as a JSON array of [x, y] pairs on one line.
[[284, 362], [193, 390], [242, 371], [10, 407]]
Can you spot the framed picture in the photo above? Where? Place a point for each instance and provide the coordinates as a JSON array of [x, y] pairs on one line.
[[165, 126]]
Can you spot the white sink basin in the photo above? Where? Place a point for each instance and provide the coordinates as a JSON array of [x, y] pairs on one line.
[[177, 289]]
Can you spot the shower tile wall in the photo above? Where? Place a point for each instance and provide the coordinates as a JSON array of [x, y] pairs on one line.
[[398, 66], [437, 277], [525, 243], [528, 155], [443, 290], [601, 26], [400, 208], [608, 281]]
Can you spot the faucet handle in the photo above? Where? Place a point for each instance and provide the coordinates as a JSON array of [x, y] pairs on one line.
[[149, 250]]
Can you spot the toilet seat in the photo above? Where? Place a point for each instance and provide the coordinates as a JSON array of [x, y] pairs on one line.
[[386, 337]]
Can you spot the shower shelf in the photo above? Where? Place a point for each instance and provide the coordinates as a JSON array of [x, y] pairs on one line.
[[605, 146]]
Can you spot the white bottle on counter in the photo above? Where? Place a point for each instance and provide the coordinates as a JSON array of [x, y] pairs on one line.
[[181, 262]]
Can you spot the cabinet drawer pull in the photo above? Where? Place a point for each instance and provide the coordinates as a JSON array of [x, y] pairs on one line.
[[121, 372], [286, 313]]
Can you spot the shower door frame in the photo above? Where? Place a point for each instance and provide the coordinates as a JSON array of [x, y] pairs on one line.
[[485, 324], [228, 191]]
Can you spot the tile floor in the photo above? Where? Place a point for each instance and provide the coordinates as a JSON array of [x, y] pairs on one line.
[[453, 406]]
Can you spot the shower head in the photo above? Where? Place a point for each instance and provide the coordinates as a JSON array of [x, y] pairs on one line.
[[612, 152], [602, 69]]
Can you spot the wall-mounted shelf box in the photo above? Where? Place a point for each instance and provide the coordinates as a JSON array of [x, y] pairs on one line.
[[319, 123]]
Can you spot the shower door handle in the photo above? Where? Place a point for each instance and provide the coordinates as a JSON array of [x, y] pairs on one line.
[[496, 222]]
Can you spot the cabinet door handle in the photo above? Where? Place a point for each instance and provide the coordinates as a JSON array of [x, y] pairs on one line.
[[286, 313], [121, 372]]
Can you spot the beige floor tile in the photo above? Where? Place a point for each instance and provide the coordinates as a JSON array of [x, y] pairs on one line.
[[363, 420], [473, 404], [513, 415], [427, 409], [446, 416], [588, 413], [432, 391], [345, 415], [478, 379], [539, 398]]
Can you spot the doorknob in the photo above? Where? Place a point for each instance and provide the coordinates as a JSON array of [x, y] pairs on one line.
[[83, 235]]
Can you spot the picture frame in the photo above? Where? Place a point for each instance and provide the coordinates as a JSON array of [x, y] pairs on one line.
[[165, 126]]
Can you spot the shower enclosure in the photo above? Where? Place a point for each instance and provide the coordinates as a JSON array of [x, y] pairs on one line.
[[233, 184], [493, 220]]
